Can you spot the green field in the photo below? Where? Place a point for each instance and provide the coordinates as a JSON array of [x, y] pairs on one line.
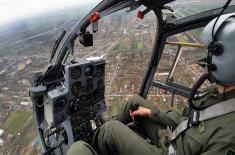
[[15, 122], [119, 47], [134, 45]]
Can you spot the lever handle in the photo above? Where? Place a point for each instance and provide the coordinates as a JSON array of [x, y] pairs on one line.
[[134, 106]]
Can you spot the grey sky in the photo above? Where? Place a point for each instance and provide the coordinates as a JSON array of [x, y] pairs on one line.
[[15, 9]]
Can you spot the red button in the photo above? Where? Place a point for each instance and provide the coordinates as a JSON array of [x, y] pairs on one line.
[[140, 15], [95, 17]]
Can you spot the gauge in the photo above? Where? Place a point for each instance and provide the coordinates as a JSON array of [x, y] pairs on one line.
[[76, 88], [89, 70], [76, 72], [60, 104]]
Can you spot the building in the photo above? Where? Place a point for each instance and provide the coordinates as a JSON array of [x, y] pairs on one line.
[[28, 62], [1, 142], [21, 67], [1, 132], [24, 103]]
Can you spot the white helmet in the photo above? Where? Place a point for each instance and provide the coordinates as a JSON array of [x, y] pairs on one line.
[[221, 49]]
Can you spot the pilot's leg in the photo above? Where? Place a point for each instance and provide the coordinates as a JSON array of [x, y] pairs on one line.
[[81, 148], [115, 138], [151, 128]]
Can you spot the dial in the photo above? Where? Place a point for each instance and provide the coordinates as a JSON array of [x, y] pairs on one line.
[[89, 70], [76, 72], [76, 88], [60, 104]]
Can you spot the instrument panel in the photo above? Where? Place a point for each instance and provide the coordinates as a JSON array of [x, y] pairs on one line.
[[75, 106], [85, 77]]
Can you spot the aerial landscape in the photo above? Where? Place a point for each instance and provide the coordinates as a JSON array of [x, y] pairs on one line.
[[123, 40]]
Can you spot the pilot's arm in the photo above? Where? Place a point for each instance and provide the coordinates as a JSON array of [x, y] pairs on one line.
[[166, 118], [162, 117]]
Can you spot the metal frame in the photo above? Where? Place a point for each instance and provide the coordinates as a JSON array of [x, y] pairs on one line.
[[175, 62], [182, 25], [109, 6], [105, 7]]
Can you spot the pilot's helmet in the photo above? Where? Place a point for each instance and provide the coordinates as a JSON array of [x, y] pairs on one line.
[[219, 36]]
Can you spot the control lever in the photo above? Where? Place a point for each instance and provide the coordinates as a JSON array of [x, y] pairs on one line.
[[134, 107], [54, 145], [136, 126]]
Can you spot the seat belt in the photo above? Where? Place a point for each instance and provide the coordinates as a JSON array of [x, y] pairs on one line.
[[213, 111]]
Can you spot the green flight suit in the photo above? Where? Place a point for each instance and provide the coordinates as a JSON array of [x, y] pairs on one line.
[[211, 137], [81, 148]]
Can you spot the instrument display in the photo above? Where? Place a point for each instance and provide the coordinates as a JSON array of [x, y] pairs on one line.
[[60, 104], [76, 72], [89, 70], [76, 88]]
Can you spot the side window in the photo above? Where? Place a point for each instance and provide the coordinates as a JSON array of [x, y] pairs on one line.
[[178, 65]]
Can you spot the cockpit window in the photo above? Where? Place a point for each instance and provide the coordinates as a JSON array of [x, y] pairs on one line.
[[178, 66], [186, 8]]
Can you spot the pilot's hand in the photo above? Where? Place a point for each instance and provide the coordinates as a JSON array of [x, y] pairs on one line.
[[143, 112]]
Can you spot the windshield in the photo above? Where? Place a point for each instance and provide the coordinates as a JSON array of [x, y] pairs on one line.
[[185, 8]]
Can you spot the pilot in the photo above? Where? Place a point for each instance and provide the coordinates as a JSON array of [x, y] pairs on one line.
[[207, 126]]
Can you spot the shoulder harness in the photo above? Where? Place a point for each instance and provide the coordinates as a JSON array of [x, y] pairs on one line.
[[213, 111]]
